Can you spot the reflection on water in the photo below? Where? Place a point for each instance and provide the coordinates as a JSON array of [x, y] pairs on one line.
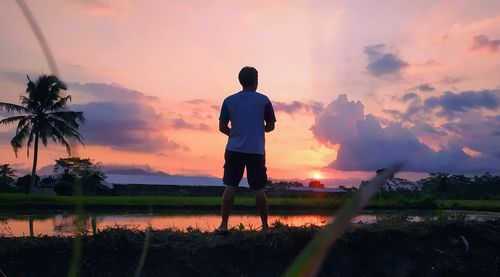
[[61, 224]]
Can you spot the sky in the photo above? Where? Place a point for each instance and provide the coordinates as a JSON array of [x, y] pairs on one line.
[[356, 85]]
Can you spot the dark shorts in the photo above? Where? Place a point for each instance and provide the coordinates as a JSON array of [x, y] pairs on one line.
[[235, 163]]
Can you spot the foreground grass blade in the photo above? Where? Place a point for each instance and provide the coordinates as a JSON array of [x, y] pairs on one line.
[[39, 36], [145, 245], [310, 259], [74, 266]]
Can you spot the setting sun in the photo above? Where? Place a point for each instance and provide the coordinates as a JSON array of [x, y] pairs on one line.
[[317, 175]]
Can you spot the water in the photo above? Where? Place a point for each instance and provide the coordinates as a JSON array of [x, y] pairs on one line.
[[63, 224]]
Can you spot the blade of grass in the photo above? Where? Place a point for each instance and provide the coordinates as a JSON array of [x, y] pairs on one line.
[[145, 245], [39, 36], [74, 266], [309, 261]]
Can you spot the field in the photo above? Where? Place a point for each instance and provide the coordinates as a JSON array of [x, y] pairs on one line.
[[437, 248], [18, 200]]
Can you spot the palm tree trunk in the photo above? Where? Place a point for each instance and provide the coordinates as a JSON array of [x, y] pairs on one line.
[[35, 158]]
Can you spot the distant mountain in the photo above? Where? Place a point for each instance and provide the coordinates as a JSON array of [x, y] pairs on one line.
[[159, 179], [135, 171]]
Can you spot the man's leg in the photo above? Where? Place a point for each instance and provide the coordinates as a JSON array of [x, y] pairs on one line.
[[261, 203], [227, 205], [233, 172], [257, 179]]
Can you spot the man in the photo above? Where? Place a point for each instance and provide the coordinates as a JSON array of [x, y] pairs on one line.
[[251, 114]]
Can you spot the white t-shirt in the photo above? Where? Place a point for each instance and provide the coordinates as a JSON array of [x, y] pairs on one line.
[[247, 111]]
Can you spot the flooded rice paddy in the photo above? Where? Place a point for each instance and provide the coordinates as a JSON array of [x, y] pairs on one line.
[[63, 223]]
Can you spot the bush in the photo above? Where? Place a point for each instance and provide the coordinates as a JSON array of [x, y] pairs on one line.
[[6, 178], [23, 183], [65, 184]]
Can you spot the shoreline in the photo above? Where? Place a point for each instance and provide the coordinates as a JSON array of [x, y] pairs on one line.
[[243, 203]]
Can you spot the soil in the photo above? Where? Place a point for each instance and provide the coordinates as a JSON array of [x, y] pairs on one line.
[[424, 249]]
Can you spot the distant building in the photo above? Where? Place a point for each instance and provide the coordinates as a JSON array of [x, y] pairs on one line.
[[324, 190]]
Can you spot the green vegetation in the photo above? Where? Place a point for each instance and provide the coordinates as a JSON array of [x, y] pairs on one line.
[[7, 175], [19, 200], [487, 205], [448, 186], [70, 170]]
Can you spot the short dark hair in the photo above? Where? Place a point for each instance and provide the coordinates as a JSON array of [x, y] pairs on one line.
[[248, 76]]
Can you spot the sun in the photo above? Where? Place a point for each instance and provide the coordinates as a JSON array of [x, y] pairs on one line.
[[316, 175]]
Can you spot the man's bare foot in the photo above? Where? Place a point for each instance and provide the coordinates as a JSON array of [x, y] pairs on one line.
[[222, 228], [265, 228]]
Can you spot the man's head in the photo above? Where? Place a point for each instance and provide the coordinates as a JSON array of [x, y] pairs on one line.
[[249, 78]]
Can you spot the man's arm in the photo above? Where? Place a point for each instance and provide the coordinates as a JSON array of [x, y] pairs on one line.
[[269, 117], [224, 127], [269, 126], [224, 120]]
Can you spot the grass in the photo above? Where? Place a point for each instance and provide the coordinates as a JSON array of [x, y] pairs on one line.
[[410, 249], [492, 205], [20, 200]]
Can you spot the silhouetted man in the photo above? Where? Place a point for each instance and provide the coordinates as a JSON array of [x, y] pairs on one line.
[[251, 114]]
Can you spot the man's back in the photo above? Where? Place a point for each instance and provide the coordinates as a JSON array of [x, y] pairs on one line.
[[247, 111]]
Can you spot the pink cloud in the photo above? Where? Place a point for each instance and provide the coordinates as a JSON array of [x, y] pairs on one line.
[[482, 42]]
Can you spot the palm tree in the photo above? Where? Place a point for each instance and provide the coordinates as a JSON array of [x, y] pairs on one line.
[[42, 116]]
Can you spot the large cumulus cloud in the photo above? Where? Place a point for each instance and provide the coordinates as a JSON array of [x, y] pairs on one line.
[[365, 144], [124, 126]]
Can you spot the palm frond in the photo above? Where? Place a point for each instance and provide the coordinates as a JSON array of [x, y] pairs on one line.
[[60, 104], [44, 130], [18, 140], [60, 137], [30, 86], [25, 101], [69, 117], [9, 107], [23, 122], [67, 130], [10, 120], [33, 132]]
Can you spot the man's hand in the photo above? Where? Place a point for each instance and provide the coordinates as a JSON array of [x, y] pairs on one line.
[[224, 128], [269, 127]]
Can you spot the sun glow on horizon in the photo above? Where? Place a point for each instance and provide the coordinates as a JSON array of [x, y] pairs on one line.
[[317, 175]]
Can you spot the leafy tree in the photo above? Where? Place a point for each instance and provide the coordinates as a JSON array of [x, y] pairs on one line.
[[316, 184], [42, 116], [48, 181], [23, 183], [74, 169], [286, 184], [7, 175]]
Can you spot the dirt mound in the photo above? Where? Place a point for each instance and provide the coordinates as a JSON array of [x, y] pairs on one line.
[[437, 248]]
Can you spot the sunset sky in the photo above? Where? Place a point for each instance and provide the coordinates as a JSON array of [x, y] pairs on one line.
[[356, 85]]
